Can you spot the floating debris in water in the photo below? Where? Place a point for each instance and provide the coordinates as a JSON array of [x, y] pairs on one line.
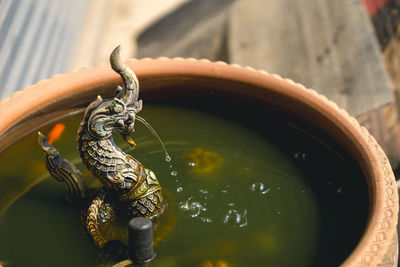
[[202, 160], [55, 133]]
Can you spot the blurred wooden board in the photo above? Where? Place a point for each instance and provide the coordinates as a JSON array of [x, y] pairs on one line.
[[326, 45], [195, 29]]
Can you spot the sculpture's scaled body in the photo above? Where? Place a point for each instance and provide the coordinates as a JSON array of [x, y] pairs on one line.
[[128, 187]]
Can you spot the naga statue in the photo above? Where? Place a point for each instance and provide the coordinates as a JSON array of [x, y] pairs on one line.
[[128, 188]]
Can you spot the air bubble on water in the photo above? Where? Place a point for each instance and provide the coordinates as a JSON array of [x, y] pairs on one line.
[[198, 208], [224, 191], [265, 191], [300, 155], [236, 218], [202, 191], [244, 220], [278, 188], [168, 158], [184, 205], [231, 204], [179, 189], [259, 187], [174, 173], [192, 164], [195, 208], [339, 190], [279, 213], [205, 219], [228, 217]]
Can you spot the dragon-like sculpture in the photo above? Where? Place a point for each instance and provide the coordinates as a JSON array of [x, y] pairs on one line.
[[129, 189]]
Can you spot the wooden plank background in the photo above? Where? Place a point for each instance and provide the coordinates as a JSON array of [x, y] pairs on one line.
[[326, 45]]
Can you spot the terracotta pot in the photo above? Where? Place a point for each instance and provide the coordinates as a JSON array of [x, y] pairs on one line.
[[51, 98]]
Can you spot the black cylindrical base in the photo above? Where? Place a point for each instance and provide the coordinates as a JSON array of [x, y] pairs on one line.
[[140, 242]]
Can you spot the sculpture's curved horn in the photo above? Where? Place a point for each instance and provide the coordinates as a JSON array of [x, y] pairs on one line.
[[130, 82]]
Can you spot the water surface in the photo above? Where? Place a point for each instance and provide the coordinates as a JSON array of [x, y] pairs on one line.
[[268, 195]]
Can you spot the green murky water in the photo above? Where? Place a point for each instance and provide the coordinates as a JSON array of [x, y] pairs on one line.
[[239, 194]]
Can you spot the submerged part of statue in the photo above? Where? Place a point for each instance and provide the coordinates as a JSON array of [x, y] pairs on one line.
[[128, 187]]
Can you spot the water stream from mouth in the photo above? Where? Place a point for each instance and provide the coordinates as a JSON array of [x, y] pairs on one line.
[[151, 129]]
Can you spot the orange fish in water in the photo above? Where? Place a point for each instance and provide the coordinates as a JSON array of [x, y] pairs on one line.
[[218, 263], [202, 160], [55, 132]]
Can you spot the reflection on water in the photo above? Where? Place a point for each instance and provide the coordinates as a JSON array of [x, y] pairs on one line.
[[236, 196]]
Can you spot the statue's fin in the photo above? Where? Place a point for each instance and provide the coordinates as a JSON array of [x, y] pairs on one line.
[[62, 170]]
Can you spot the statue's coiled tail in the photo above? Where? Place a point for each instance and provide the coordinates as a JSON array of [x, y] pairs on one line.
[[92, 223], [62, 170]]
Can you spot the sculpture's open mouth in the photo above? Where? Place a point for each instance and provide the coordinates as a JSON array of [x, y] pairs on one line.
[[127, 137]]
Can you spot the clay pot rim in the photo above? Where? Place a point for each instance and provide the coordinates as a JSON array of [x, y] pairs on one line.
[[382, 222]]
